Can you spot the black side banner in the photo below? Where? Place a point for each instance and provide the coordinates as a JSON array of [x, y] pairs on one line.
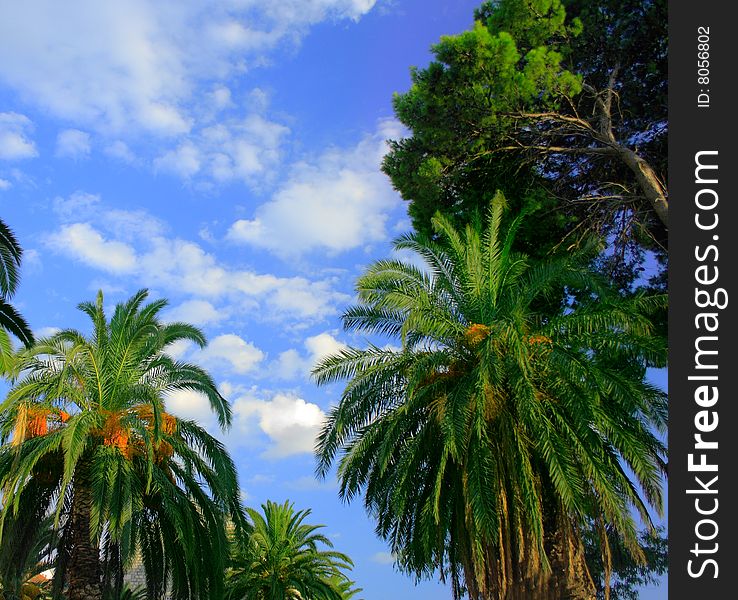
[[703, 251]]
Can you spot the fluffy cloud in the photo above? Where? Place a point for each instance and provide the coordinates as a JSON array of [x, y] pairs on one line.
[[73, 143], [142, 65], [322, 345], [44, 332], [184, 160], [123, 225], [196, 312], [233, 149], [231, 353], [339, 202], [131, 225], [179, 349], [120, 150], [290, 423], [85, 243], [188, 404], [184, 267], [77, 205], [102, 64], [292, 363], [14, 141]]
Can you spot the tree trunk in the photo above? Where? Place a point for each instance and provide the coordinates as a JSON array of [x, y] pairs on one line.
[[648, 182], [83, 569], [568, 579], [524, 577]]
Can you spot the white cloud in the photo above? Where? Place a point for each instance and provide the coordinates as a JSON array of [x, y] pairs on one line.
[[135, 246], [196, 312], [83, 242], [32, 260], [338, 202], [232, 351], [189, 404], [77, 205], [312, 11], [184, 266], [241, 149], [5, 184], [184, 160], [384, 558], [43, 332], [221, 97], [124, 225], [131, 225], [290, 422], [291, 363], [73, 143], [179, 349], [102, 64], [143, 65], [232, 149], [14, 141], [321, 346], [120, 150]]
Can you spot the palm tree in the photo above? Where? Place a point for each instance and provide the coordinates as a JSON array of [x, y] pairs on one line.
[[503, 425], [10, 319], [86, 422], [281, 559]]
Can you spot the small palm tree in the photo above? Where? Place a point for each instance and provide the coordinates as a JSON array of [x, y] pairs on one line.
[[129, 593], [10, 319], [86, 424], [281, 559], [502, 426]]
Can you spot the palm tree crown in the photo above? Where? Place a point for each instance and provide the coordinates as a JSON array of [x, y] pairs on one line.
[[504, 422], [87, 422], [281, 559]]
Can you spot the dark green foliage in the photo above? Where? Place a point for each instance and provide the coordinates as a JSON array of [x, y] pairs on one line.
[[484, 446], [10, 319], [28, 541], [128, 593], [281, 558], [548, 102], [87, 422], [628, 574], [630, 34]]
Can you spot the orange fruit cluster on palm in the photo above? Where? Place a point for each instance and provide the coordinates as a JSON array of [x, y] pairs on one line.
[[476, 333], [168, 423], [539, 339], [33, 421], [117, 435]]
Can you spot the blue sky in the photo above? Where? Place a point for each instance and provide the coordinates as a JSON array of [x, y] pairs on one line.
[[227, 159]]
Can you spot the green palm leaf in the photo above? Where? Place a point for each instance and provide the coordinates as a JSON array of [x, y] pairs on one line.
[[88, 413], [505, 423]]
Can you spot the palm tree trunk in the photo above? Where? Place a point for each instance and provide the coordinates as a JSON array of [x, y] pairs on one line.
[[570, 577], [83, 569], [524, 578]]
